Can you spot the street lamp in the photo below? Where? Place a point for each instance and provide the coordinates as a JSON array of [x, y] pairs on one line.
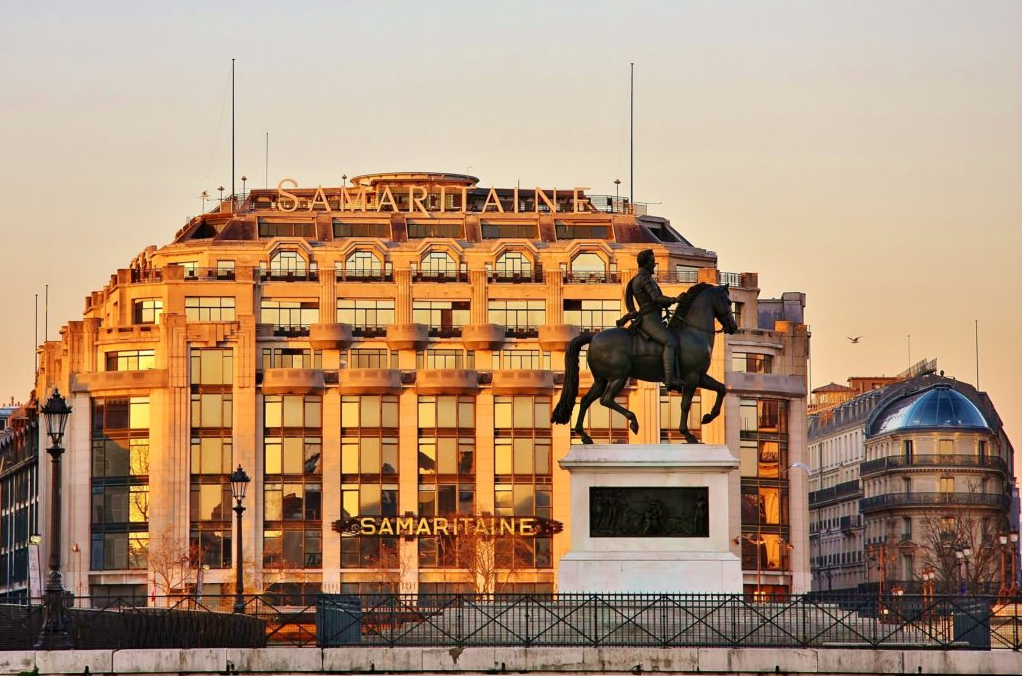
[[239, 484], [244, 178], [1002, 558], [54, 634], [758, 541]]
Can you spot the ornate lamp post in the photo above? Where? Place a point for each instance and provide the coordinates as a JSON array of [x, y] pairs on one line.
[[1002, 557], [54, 635], [239, 484], [1012, 569]]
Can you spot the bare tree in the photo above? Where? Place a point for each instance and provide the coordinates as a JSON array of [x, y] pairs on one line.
[[173, 563], [962, 528], [492, 560]]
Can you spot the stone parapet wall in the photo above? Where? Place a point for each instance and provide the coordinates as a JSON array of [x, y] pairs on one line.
[[538, 661]]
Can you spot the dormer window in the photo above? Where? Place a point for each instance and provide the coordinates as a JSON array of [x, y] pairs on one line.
[[290, 265]]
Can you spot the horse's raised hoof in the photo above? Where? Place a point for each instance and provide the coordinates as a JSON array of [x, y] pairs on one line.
[[707, 419], [586, 439], [634, 426]]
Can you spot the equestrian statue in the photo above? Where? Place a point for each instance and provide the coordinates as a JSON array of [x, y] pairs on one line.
[[676, 353]]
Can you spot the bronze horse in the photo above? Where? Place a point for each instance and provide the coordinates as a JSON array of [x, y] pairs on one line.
[[615, 355]]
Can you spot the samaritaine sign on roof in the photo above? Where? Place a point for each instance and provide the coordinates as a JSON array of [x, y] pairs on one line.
[[415, 197]]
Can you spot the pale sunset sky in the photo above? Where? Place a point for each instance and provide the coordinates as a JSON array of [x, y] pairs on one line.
[[868, 154]]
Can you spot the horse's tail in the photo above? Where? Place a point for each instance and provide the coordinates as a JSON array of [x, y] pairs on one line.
[[566, 404]]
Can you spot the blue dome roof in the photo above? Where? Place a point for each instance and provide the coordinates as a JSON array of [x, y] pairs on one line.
[[940, 406]]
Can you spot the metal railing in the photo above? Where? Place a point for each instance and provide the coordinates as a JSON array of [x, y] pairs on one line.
[[902, 462], [841, 490], [998, 500], [869, 620], [729, 278], [611, 277]]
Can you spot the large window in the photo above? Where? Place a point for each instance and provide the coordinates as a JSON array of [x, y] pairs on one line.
[[362, 265], [290, 265], [291, 358], [521, 360], [670, 417], [763, 456], [443, 317], [575, 230], [120, 483], [289, 317], [446, 468], [523, 465], [380, 229], [512, 266], [521, 317], [592, 315], [509, 230], [439, 265], [292, 481], [752, 362], [368, 317], [146, 311], [604, 425], [368, 358], [369, 469], [210, 308], [131, 360], [212, 373], [445, 359], [269, 228], [420, 229]]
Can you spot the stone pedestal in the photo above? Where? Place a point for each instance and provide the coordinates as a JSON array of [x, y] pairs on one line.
[[650, 518]]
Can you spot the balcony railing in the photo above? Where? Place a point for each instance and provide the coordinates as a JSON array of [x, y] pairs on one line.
[[903, 462], [289, 275], [290, 330], [440, 276], [146, 276], [678, 277], [515, 277], [368, 330], [611, 277], [385, 274], [841, 490], [210, 275], [729, 278], [848, 522], [445, 331], [521, 331], [998, 500]]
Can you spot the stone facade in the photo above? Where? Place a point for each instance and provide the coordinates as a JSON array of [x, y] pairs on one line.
[[367, 357]]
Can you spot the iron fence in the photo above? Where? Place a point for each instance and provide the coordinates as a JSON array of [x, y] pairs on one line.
[[524, 620]]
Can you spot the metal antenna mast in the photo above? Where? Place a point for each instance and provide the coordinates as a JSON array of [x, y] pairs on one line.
[[631, 148], [232, 129]]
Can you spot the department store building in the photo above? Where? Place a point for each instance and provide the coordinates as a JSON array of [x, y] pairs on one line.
[[389, 348]]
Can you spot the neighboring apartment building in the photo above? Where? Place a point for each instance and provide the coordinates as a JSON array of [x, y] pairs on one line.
[[19, 497], [388, 348], [905, 476]]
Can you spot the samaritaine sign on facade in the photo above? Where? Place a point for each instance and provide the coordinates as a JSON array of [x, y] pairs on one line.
[[357, 199], [414, 526]]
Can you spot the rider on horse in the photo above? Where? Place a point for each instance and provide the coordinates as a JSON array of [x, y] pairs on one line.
[[649, 316]]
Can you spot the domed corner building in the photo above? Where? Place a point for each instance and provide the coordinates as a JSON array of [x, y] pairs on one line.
[[388, 349], [937, 479]]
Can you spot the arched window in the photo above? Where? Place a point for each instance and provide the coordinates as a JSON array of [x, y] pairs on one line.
[[439, 264], [363, 264], [588, 263], [513, 264], [288, 264]]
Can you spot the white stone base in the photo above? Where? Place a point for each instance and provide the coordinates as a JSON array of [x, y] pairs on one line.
[[641, 564]]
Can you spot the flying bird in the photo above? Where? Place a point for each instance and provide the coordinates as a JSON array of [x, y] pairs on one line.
[[854, 340]]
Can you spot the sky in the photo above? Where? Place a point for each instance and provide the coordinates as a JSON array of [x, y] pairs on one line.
[[868, 154]]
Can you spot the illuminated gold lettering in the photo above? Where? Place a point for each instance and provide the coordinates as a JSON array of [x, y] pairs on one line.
[[440, 525], [552, 205], [507, 526], [347, 201], [406, 524], [414, 201], [578, 205], [319, 198], [368, 525], [527, 525], [492, 196], [423, 528], [285, 195], [386, 527], [386, 197]]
